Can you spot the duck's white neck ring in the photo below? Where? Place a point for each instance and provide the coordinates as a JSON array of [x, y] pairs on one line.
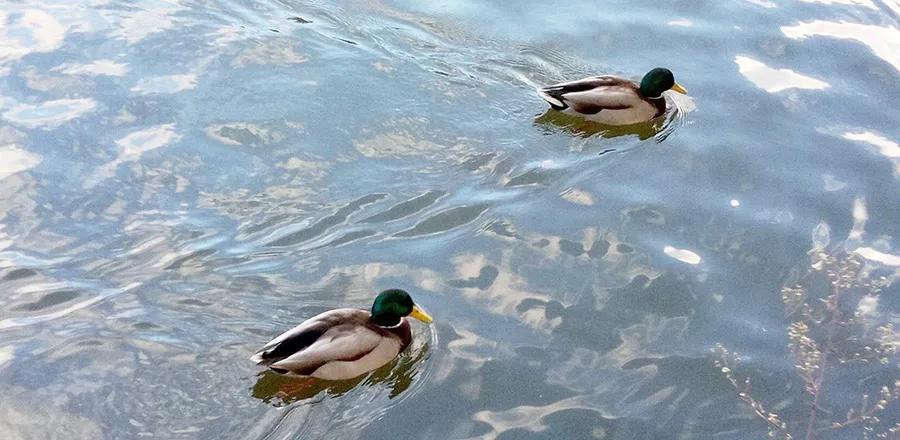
[[402, 320]]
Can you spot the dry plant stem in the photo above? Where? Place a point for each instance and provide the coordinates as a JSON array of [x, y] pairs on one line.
[[832, 306], [775, 425], [861, 416]]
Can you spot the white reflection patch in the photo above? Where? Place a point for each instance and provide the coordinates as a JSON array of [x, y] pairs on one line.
[[868, 306], [166, 84], [832, 184], [35, 31], [528, 418], [865, 3], [148, 18], [884, 41], [763, 3], [886, 147], [49, 114], [681, 23], [683, 255], [7, 354], [97, 68], [578, 197], [131, 148], [875, 255], [775, 80], [16, 160]]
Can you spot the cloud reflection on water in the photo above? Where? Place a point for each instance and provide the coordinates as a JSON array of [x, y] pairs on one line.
[[166, 84], [95, 68], [884, 146], [884, 41], [16, 160], [49, 114], [45, 34], [131, 147], [775, 80]]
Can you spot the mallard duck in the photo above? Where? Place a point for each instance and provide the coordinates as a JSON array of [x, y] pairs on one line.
[[613, 100], [344, 343]]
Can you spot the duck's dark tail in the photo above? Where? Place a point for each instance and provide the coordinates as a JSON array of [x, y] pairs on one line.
[[553, 96]]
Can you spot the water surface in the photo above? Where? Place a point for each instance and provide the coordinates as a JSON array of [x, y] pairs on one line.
[[182, 180]]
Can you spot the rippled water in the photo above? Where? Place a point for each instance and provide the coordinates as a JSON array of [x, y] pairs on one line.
[[181, 180]]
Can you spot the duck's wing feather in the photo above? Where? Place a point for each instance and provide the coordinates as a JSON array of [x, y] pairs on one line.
[[305, 335], [342, 343], [591, 95]]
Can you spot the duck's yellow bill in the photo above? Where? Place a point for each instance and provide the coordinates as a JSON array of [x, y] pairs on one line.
[[679, 89], [420, 315]]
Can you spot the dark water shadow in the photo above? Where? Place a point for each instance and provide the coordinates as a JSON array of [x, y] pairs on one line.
[[483, 281], [49, 300], [406, 208], [324, 224], [445, 220], [278, 390]]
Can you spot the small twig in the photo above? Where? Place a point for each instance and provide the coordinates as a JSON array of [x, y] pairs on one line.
[[823, 365]]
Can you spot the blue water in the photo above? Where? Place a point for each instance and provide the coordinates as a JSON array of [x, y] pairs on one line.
[[180, 181]]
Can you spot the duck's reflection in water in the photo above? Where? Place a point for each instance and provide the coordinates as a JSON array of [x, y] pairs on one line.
[[278, 390], [555, 121]]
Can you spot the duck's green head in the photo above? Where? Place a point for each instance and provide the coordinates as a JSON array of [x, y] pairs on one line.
[[657, 81], [392, 305]]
